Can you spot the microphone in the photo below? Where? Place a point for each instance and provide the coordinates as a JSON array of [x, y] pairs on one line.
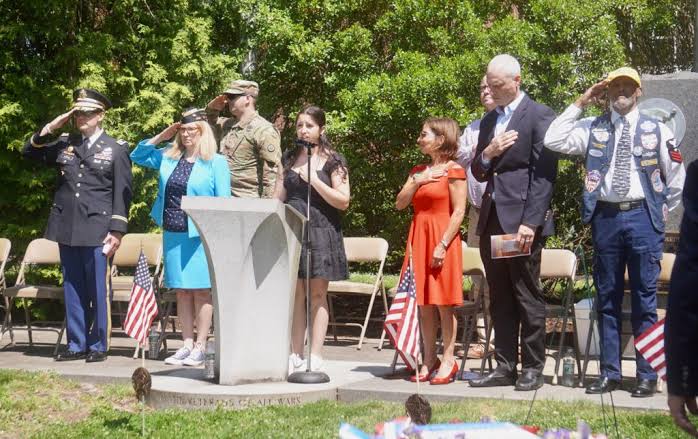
[[305, 143]]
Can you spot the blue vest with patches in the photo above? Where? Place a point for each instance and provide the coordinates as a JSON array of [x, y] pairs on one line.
[[645, 150]]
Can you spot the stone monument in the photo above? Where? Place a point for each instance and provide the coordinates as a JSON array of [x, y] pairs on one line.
[[253, 249], [682, 89]]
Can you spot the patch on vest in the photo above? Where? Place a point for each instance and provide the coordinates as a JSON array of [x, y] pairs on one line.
[[595, 153], [649, 162], [601, 134], [637, 151], [648, 126], [649, 141], [657, 183], [665, 212], [592, 180], [649, 154], [674, 152]]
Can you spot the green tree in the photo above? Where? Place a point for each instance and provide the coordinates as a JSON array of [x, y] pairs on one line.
[[379, 67]]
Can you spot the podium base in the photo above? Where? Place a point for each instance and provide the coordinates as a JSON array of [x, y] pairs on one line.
[[307, 377]]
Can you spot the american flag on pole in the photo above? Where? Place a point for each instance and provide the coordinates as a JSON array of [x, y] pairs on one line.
[[651, 345], [142, 308], [402, 322]]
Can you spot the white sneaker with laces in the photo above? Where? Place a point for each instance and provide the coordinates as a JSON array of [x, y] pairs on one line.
[[195, 358], [179, 356]]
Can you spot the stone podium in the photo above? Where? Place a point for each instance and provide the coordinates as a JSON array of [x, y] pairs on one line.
[[253, 249]]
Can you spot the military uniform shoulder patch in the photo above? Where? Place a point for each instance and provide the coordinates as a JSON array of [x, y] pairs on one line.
[[674, 152]]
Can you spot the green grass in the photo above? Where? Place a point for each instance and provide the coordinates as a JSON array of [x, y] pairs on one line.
[[45, 405]]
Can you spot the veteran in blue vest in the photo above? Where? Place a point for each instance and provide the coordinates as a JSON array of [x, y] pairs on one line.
[[188, 166], [634, 177], [88, 216]]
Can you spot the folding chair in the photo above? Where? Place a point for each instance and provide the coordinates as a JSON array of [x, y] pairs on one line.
[[473, 303], [361, 250], [39, 252], [555, 264], [561, 264], [5, 247], [127, 257]]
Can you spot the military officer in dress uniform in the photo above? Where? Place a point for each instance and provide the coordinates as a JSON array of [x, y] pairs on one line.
[[634, 177], [251, 144], [88, 217]]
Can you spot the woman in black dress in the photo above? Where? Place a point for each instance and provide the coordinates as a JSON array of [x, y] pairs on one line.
[[329, 196]]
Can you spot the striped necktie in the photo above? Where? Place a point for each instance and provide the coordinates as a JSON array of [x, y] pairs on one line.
[[621, 174]]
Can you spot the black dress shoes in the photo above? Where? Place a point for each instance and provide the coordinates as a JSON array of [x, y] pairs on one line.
[[529, 380], [94, 357], [603, 385], [70, 356], [644, 388], [499, 377]]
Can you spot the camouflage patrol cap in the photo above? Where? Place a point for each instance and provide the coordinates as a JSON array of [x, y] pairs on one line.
[[242, 87]]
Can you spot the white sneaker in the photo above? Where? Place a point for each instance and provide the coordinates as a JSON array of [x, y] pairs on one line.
[[316, 363], [195, 358], [179, 356], [295, 363]]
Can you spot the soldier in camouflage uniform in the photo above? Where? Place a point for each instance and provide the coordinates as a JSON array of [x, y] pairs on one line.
[[249, 142]]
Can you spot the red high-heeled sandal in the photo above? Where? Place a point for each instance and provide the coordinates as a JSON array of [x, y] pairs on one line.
[[448, 378], [425, 377]]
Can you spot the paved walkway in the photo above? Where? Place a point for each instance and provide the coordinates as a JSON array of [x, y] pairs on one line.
[[355, 375]]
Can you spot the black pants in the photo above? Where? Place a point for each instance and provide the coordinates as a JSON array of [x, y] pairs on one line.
[[516, 300]]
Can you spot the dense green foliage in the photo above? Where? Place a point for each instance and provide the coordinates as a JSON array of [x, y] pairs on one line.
[[44, 405], [380, 67]]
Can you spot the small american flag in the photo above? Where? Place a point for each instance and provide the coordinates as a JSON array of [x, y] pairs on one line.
[[402, 322], [651, 345], [142, 307]]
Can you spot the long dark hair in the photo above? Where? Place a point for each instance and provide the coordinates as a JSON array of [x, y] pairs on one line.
[[317, 114]]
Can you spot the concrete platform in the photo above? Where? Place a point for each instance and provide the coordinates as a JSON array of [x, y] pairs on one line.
[[356, 375]]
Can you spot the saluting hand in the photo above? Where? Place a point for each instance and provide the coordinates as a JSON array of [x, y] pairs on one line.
[[218, 103], [500, 144], [166, 134], [592, 95], [56, 123]]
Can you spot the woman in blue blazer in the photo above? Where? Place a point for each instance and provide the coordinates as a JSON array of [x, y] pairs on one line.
[[188, 166]]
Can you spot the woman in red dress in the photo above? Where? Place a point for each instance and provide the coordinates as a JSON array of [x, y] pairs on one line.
[[437, 192]]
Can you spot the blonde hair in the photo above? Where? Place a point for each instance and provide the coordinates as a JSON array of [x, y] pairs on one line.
[[206, 147]]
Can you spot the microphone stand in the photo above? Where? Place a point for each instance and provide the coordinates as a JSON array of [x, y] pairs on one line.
[[308, 376]]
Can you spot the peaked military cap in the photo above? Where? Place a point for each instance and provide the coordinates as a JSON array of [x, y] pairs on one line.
[[193, 115], [242, 87], [86, 99]]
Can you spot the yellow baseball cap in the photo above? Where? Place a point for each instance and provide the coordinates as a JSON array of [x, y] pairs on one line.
[[627, 72]]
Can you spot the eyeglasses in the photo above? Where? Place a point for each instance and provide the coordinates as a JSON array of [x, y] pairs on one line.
[[189, 130]]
